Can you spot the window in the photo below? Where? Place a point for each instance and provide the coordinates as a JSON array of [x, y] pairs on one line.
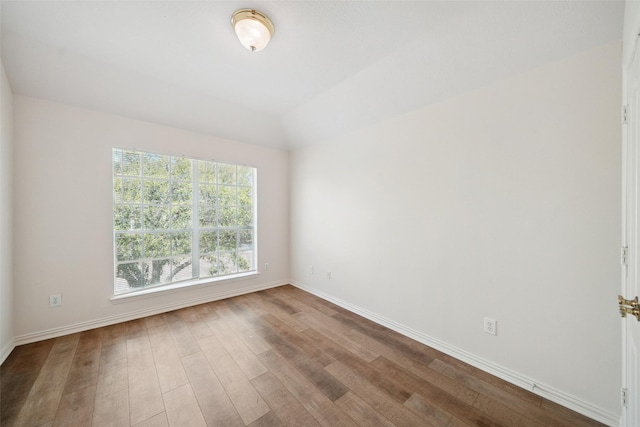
[[179, 219]]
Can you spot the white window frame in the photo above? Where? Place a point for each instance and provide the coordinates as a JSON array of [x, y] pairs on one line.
[[196, 229]]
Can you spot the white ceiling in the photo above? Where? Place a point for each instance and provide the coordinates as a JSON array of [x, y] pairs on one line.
[[332, 66]]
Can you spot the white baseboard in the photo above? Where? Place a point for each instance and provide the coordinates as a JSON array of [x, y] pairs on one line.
[[111, 320], [499, 371], [6, 350]]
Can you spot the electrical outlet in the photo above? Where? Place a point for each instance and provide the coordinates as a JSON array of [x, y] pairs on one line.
[[55, 300], [266, 266], [328, 275], [490, 326]]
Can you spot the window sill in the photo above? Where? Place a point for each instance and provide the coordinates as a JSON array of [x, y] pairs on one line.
[[179, 287]]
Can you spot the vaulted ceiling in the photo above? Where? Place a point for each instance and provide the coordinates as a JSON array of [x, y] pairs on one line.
[[331, 67]]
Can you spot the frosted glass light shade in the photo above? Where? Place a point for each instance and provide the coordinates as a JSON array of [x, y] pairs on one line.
[[253, 28]]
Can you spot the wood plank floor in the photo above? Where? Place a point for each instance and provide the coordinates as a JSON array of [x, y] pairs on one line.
[[276, 357]]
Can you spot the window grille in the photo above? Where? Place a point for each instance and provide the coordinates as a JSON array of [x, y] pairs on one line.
[[178, 219]]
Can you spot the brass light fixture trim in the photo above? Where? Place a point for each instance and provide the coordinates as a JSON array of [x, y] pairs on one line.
[[254, 28]]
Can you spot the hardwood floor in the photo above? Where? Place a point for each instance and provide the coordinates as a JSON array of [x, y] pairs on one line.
[[276, 357]]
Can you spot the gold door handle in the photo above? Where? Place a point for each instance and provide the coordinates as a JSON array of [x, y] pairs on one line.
[[630, 302], [629, 306], [633, 311]]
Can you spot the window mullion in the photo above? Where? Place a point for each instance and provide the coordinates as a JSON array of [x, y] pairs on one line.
[[195, 220]]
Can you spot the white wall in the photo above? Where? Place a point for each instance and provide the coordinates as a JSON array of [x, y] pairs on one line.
[[63, 213], [6, 208], [504, 202], [631, 28]]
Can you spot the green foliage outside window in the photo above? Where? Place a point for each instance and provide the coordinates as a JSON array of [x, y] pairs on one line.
[[165, 231]]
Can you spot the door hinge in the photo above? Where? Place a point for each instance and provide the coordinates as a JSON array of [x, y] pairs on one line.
[[624, 255], [623, 397], [625, 116]]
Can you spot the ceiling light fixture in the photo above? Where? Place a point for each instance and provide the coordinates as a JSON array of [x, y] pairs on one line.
[[253, 28]]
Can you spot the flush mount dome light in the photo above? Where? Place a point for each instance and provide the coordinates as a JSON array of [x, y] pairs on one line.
[[253, 28]]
